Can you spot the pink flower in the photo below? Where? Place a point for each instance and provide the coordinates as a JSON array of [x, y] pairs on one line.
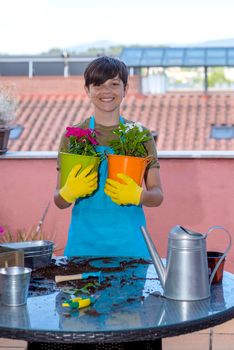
[[90, 134], [82, 134], [1, 231], [71, 131], [82, 141]]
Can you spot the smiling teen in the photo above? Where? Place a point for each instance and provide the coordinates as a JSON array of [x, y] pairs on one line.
[[99, 226]]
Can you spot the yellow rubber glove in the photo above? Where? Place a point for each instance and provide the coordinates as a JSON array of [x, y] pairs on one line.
[[80, 185], [128, 193]]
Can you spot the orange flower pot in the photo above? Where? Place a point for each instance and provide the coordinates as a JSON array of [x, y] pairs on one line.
[[69, 160], [131, 166]]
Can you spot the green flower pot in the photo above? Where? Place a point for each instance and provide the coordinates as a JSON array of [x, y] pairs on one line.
[[69, 160]]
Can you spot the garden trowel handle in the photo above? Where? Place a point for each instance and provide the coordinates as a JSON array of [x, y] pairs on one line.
[[68, 278]]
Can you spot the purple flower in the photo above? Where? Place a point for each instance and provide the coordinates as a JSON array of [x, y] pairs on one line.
[[1, 231]]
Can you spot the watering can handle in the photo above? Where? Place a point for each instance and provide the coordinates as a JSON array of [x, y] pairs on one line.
[[225, 252]]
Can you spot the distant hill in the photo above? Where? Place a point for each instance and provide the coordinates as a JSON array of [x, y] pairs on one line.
[[215, 43], [102, 44], [105, 45]]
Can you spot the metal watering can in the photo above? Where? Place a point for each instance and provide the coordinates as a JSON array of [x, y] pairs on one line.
[[185, 276]]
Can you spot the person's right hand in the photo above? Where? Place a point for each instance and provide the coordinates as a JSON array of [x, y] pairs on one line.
[[81, 185]]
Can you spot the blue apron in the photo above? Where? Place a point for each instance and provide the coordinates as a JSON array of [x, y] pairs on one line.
[[99, 227]]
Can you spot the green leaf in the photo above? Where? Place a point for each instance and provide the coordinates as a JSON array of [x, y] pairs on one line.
[[130, 140]]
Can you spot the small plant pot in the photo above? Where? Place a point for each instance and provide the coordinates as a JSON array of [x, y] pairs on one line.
[[4, 138], [68, 161], [213, 258], [131, 166]]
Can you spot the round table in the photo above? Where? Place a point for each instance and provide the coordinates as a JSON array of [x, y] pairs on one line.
[[129, 308]]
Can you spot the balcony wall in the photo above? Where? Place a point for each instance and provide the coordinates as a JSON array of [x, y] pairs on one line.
[[198, 191]]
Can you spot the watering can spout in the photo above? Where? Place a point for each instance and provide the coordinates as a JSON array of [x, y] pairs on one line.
[[161, 271]]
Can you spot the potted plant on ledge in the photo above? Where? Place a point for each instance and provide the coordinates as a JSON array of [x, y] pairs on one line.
[[8, 105], [80, 150], [130, 155]]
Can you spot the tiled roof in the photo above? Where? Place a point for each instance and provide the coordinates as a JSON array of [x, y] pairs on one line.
[[182, 120]]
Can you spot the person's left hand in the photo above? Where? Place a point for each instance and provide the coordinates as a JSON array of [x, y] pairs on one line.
[[127, 193]]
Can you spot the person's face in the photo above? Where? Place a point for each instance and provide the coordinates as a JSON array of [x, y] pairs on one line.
[[108, 96]]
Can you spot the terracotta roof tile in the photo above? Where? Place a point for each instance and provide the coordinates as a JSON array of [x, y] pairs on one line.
[[182, 120]]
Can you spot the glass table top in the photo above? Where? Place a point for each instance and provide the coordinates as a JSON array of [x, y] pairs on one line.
[[128, 298]]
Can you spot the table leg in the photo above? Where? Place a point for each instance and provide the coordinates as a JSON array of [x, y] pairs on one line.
[[211, 339], [143, 345]]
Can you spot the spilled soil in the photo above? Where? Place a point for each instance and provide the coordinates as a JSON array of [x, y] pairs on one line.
[[43, 279]]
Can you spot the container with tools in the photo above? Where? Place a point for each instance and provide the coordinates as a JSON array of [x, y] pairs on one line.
[[37, 254]]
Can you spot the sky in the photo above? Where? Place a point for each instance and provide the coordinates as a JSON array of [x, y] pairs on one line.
[[35, 26]]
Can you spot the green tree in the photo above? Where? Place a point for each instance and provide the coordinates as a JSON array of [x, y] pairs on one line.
[[217, 76]]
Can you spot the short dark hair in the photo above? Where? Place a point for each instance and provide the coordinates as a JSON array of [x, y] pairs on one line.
[[104, 68]]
